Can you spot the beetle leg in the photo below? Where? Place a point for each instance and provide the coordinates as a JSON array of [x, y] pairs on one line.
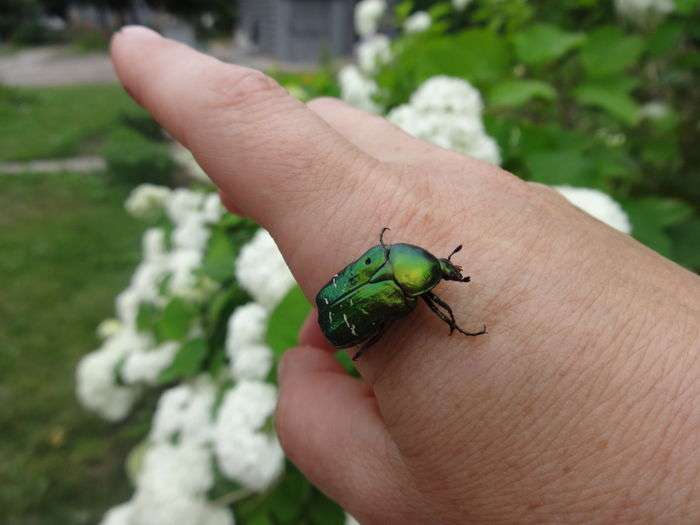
[[437, 312], [430, 296], [367, 344]]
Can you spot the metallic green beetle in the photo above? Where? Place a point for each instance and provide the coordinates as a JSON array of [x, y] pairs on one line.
[[358, 303]]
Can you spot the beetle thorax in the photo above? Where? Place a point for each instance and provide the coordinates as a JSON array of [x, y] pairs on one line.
[[414, 269]]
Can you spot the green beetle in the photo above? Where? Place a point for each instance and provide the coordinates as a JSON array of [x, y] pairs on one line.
[[384, 284]]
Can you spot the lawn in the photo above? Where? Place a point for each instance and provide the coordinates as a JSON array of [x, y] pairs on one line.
[[62, 121], [68, 247]]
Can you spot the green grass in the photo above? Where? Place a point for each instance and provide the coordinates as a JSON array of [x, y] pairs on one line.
[[68, 247], [59, 122]]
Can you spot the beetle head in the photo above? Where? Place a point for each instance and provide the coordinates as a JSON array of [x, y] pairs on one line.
[[451, 271]]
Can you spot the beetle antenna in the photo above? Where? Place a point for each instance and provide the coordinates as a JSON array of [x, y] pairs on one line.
[[458, 248], [381, 236]]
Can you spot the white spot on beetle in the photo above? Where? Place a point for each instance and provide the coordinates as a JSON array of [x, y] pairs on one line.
[[325, 300], [330, 316], [345, 318], [334, 283], [351, 303], [352, 330]]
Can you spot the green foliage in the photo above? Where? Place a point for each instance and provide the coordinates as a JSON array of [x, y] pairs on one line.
[[294, 501], [540, 44], [608, 50], [566, 85], [187, 363], [477, 55], [514, 93], [134, 159], [286, 320]]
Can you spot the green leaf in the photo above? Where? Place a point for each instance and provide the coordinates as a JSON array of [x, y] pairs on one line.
[[608, 51], [665, 38], [147, 317], [286, 320], [616, 103], [218, 261], [686, 243], [187, 362], [515, 93], [323, 511], [651, 216], [174, 323], [561, 167], [540, 44], [477, 55]]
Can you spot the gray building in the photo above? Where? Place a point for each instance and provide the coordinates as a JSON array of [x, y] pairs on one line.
[[297, 30]]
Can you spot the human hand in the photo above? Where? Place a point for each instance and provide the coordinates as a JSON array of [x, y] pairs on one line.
[[581, 404]]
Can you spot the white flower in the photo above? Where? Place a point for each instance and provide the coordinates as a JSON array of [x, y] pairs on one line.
[[183, 281], [644, 12], [164, 507], [171, 490], [108, 328], [368, 14], [244, 452], [213, 209], [598, 204], [349, 520], [182, 203], [373, 53], [262, 272], [184, 413], [153, 244], [654, 110], [146, 199], [248, 405], [443, 93], [417, 22], [460, 5], [119, 515], [96, 378], [191, 233], [184, 468], [357, 89], [447, 112], [145, 367], [249, 356]]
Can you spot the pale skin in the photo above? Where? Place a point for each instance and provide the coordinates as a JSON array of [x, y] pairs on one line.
[[581, 404]]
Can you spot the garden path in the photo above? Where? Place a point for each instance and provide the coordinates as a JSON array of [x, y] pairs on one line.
[[62, 65]]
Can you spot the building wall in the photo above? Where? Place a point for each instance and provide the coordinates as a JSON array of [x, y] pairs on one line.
[[298, 30]]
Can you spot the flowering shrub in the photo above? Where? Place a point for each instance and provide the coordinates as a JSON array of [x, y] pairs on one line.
[[573, 96], [587, 94], [205, 316]]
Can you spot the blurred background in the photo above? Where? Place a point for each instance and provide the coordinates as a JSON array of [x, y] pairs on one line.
[[598, 95]]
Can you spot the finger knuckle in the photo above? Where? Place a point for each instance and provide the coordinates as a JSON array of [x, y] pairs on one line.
[[235, 88]]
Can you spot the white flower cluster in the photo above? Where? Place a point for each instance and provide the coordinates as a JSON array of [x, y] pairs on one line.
[[598, 204], [417, 22], [357, 86], [447, 111], [197, 425], [109, 380], [244, 450], [368, 15], [644, 12]]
